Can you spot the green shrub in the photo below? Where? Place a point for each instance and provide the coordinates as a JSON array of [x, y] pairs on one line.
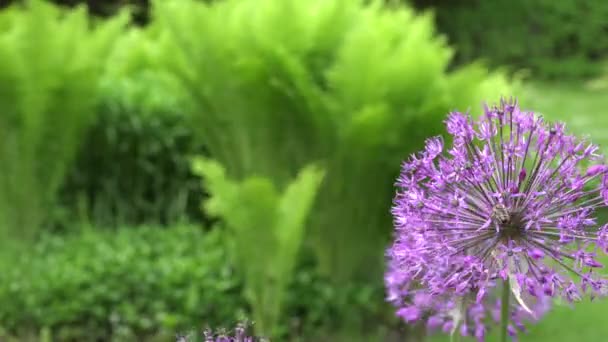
[[50, 64], [147, 283], [134, 166], [129, 284], [551, 38], [267, 230], [280, 84]]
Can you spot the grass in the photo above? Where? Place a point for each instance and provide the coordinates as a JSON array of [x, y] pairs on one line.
[[584, 109]]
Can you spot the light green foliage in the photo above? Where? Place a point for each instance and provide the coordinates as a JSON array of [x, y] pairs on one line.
[[50, 62], [133, 79], [267, 228], [279, 84]]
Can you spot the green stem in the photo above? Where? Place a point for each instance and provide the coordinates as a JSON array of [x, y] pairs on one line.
[[455, 337], [504, 311]]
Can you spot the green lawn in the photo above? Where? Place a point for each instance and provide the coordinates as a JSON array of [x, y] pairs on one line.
[[585, 111]]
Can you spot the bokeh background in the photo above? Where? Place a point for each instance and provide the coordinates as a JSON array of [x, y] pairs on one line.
[[171, 165]]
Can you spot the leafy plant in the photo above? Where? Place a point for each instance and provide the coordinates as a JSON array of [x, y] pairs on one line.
[[134, 165], [128, 284], [51, 61], [279, 84], [147, 283], [267, 229]]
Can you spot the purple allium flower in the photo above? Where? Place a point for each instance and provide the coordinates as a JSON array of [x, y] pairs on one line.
[[512, 199], [459, 312]]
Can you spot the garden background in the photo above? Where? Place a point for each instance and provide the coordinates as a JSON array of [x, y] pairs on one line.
[[172, 165]]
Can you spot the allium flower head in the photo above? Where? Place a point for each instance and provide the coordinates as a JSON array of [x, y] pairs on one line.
[[512, 199]]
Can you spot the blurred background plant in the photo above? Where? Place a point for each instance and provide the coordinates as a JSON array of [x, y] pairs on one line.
[[551, 39], [101, 112], [355, 87], [266, 228], [133, 166], [130, 284], [51, 64]]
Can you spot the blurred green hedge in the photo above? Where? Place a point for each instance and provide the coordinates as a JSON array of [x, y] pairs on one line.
[[553, 39], [132, 283], [146, 283]]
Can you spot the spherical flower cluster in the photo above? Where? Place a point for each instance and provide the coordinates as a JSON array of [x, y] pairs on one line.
[[511, 202]]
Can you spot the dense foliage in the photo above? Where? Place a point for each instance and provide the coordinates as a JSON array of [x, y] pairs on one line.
[[141, 283], [351, 85], [134, 164], [131, 283], [551, 38]]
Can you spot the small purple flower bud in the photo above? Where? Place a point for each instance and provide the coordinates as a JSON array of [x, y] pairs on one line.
[[511, 330], [464, 330], [480, 333], [522, 175], [536, 253], [596, 169], [591, 262], [422, 299], [409, 314], [434, 147], [434, 322], [447, 327], [480, 295], [605, 196]]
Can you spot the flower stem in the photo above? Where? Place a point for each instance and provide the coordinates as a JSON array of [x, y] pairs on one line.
[[504, 311]]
